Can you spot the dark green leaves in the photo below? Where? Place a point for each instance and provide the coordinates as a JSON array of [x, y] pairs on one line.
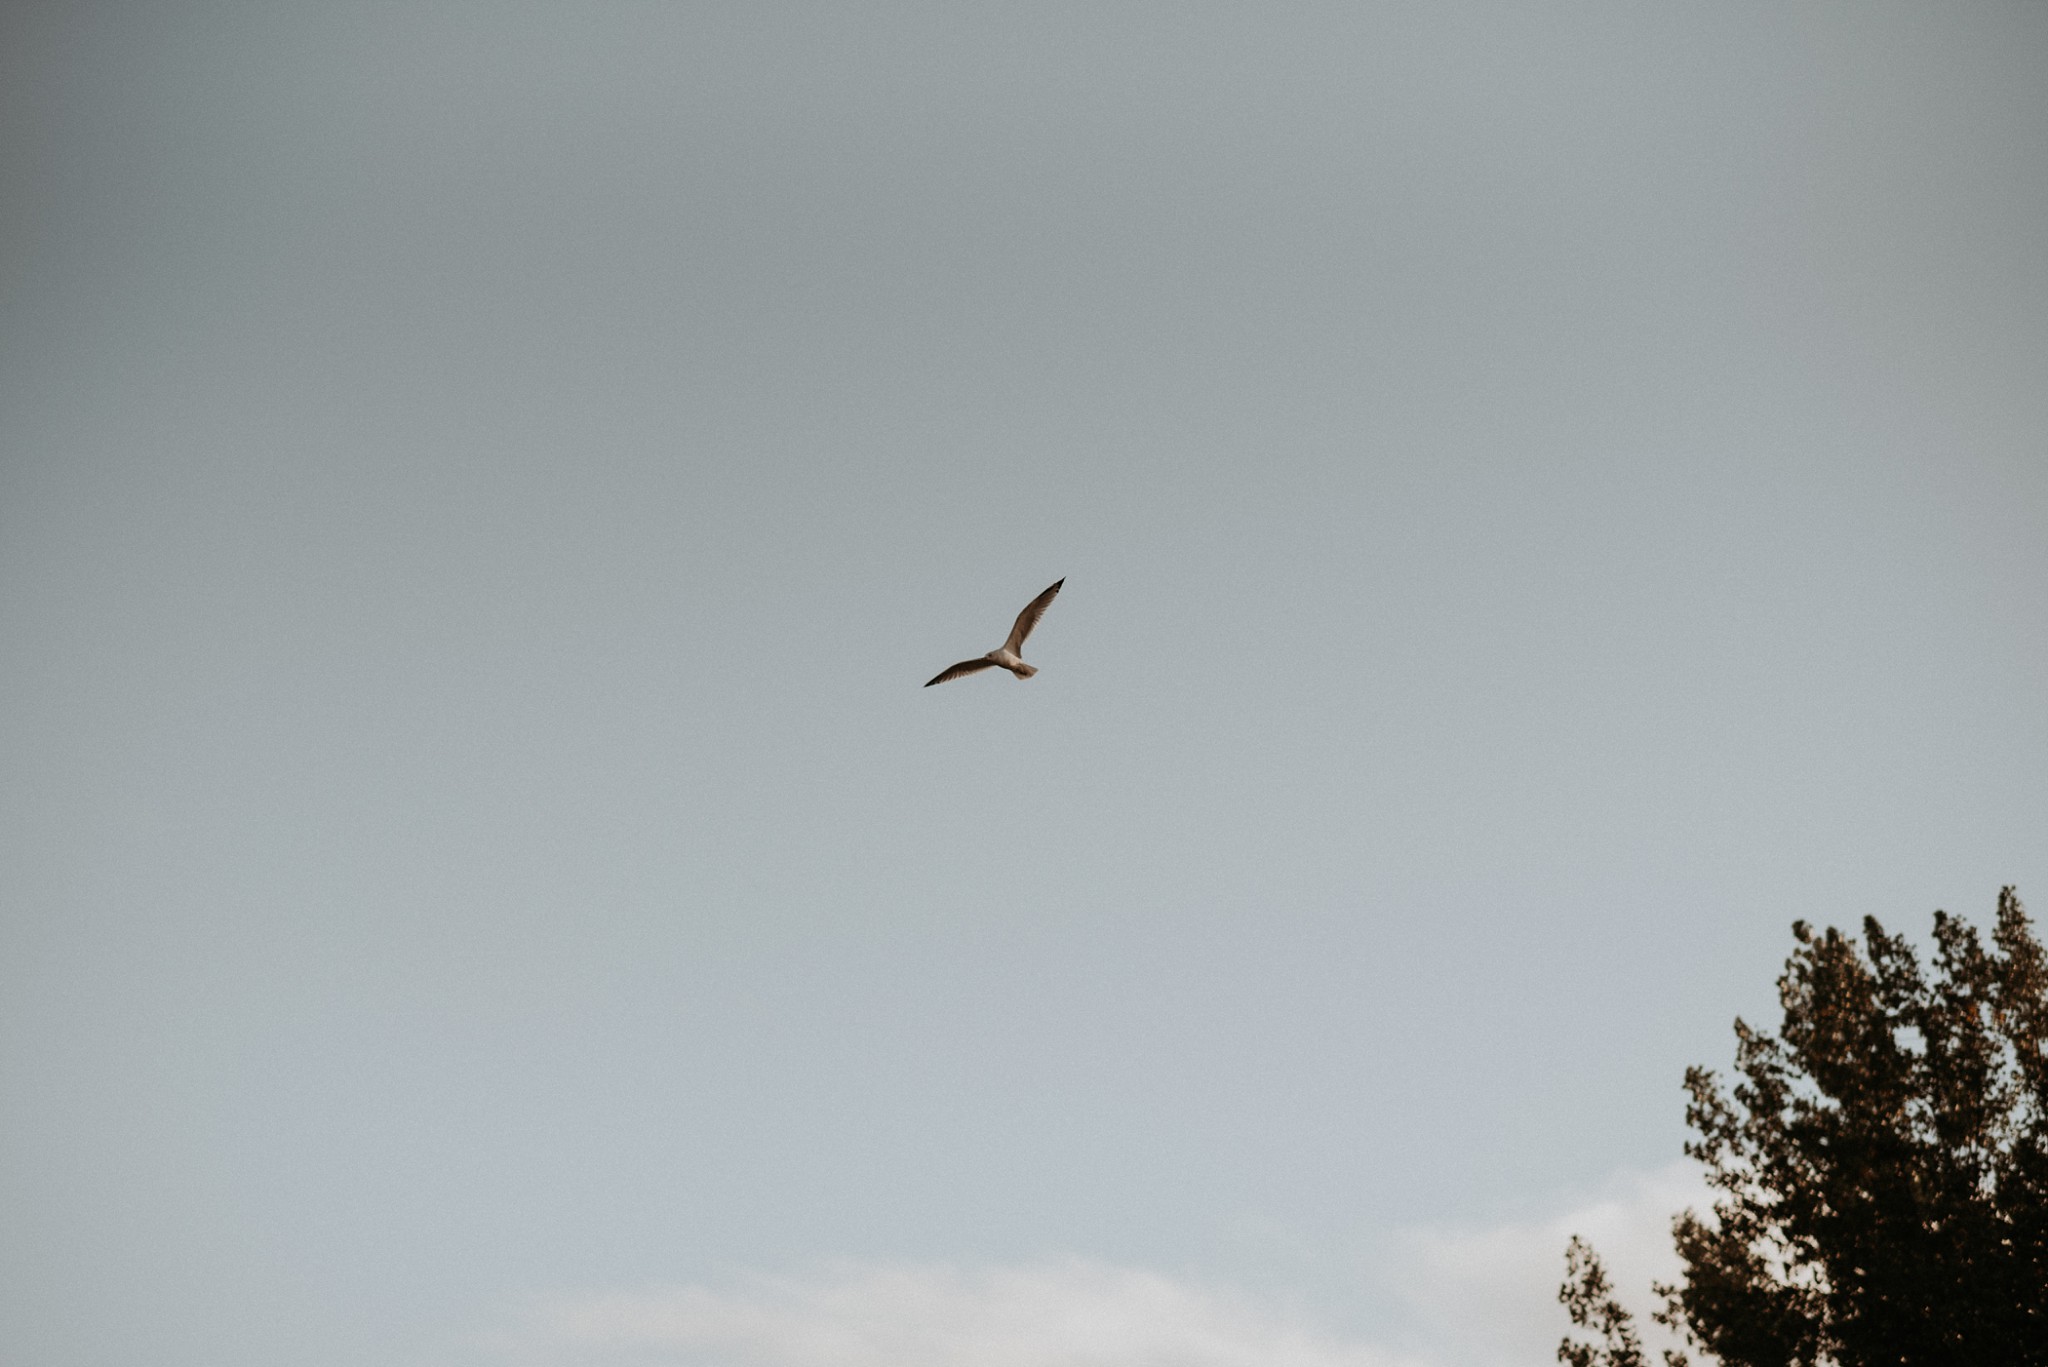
[[1880, 1165]]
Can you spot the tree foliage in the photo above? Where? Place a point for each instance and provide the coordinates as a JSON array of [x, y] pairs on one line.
[[1880, 1167], [1589, 1299]]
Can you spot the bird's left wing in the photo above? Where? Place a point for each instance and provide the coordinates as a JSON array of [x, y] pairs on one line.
[[964, 667], [1028, 618]]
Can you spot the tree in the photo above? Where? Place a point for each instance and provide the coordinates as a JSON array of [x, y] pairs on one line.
[[1880, 1169], [1589, 1298]]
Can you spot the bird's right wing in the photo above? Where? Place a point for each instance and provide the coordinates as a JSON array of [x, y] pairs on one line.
[[979, 662], [1028, 618]]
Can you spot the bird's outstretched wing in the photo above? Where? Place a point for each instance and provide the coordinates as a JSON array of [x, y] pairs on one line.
[[1028, 618], [964, 667]]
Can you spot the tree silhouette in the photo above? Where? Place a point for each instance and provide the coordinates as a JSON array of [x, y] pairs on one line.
[[1589, 1298], [1880, 1169]]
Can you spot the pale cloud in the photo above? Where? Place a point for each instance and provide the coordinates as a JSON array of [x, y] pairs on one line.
[[1488, 1297], [1060, 1314], [1478, 1298]]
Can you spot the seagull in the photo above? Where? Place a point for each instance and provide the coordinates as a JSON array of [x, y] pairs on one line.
[[1005, 656]]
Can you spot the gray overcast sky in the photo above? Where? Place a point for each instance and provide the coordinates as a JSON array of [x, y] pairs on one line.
[[1548, 495]]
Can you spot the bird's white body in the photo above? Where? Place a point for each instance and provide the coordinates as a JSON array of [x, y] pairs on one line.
[[1010, 660]]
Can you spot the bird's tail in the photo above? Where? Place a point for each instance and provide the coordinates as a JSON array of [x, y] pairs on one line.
[[1024, 671]]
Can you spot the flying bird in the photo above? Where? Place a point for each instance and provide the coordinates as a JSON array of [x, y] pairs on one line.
[[1005, 656]]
